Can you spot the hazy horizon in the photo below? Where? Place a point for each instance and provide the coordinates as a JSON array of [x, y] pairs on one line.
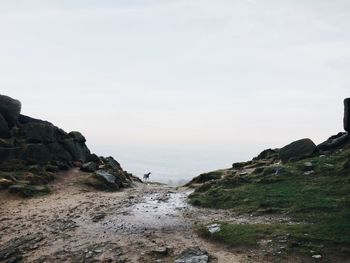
[[179, 87]]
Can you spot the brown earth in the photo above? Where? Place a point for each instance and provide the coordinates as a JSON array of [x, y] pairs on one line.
[[147, 223]]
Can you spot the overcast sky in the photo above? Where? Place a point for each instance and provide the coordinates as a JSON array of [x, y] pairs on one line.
[[179, 87]]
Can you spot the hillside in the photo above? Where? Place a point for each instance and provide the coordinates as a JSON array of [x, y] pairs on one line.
[[306, 184]]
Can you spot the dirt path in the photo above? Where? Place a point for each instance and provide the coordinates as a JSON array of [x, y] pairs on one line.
[[147, 223]]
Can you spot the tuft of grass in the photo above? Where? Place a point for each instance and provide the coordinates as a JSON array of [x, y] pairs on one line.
[[25, 190], [233, 234], [297, 238]]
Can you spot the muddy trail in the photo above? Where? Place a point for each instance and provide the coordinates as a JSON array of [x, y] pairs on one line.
[[147, 223]]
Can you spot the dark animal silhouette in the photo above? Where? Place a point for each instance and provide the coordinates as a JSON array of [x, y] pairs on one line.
[[146, 176]]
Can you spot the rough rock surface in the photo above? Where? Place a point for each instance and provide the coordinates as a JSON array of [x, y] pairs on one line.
[[89, 167], [347, 114], [193, 255], [297, 150], [59, 152], [267, 154], [77, 149], [4, 129], [36, 132], [33, 150], [110, 179], [334, 142], [10, 109], [36, 141], [77, 136]]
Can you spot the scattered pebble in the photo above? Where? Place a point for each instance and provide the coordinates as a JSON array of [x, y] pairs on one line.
[[214, 228]]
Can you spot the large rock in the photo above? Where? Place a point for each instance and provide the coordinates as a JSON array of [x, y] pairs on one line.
[[334, 142], [89, 167], [58, 153], [110, 178], [10, 109], [78, 150], [111, 162], [35, 132], [36, 153], [297, 150], [4, 128], [267, 154], [93, 158], [103, 180], [77, 136], [347, 114]]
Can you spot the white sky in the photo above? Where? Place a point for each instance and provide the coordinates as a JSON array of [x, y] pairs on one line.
[[179, 87]]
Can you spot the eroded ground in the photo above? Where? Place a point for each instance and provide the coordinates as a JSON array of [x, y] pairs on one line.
[[147, 223]]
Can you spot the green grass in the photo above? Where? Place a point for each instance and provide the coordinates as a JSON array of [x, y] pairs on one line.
[[292, 192], [25, 190], [318, 238], [319, 201]]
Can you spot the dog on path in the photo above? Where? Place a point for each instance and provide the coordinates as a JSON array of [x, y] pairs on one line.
[[146, 176]]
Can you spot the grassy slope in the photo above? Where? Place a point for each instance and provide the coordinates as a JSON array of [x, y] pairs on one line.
[[320, 201]]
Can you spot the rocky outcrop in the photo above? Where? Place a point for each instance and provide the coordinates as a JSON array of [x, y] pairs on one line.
[[28, 142], [268, 154], [10, 109], [341, 139], [205, 177], [347, 114], [297, 150], [334, 142], [36, 141]]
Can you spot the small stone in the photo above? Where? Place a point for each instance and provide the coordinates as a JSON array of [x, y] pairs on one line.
[[98, 217], [214, 228], [89, 167], [309, 172], [316, 256], [193, 255], [163, 251], [308, 166]]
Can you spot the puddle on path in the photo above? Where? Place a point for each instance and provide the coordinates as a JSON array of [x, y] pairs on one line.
[[159, 211]]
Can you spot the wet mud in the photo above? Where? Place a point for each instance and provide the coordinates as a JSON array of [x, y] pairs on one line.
[[147, 223]]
